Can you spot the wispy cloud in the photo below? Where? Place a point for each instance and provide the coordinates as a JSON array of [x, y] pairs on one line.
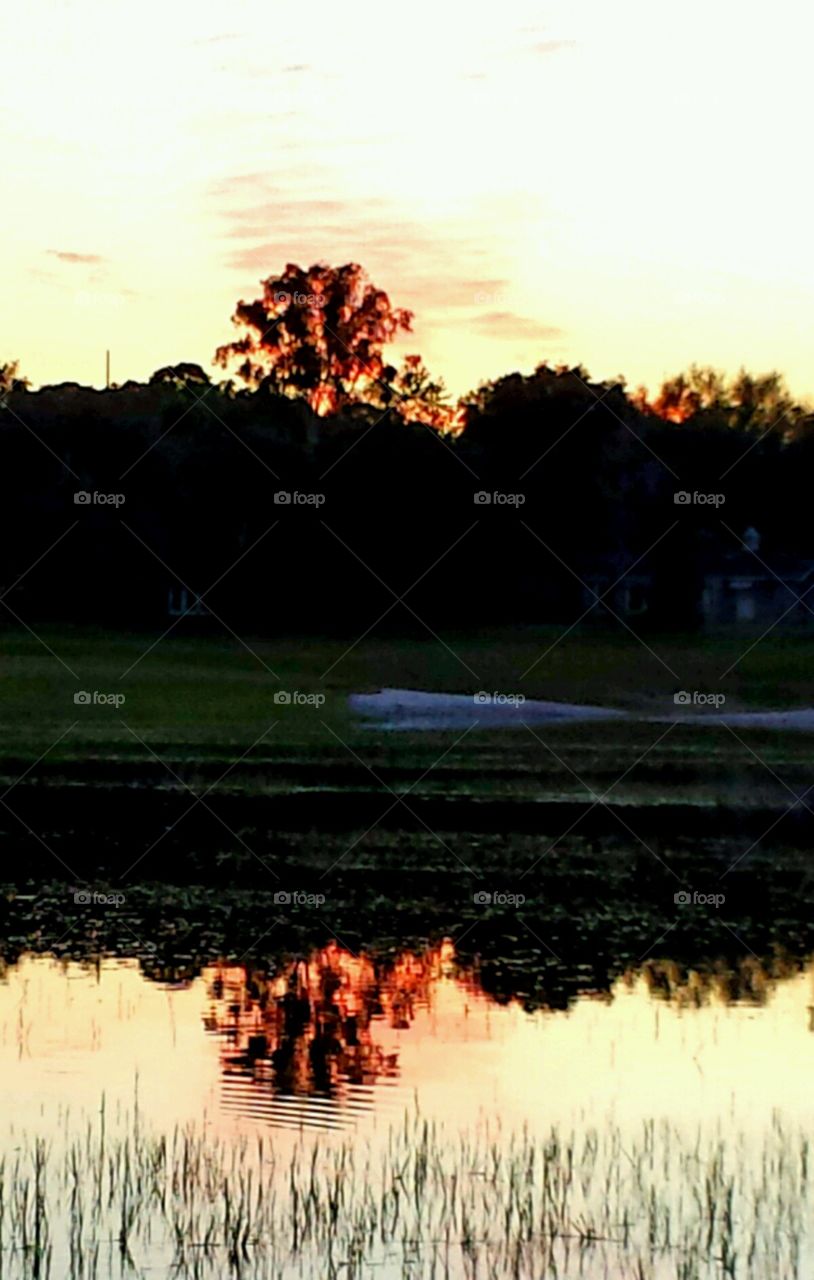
[[477, 292], [283, 214], [433, 269], [508, 324], [81, 259], [220, 39], [552, 46]]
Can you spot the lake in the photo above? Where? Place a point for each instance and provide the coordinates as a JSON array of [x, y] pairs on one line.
[[667, 1121]]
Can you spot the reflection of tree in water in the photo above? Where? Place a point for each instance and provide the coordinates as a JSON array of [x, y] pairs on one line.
[[310, 1028], [750, 980]]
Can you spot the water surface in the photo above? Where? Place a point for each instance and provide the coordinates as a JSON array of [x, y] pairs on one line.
[[338, 1041]]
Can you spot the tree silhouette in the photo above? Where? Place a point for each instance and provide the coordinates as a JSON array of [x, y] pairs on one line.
[[181, 376], [319, 334], [748, 402], [10, 379], [417, 396]]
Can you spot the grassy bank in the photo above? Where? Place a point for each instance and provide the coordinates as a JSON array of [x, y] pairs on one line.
[[200, 712], [211, 693]]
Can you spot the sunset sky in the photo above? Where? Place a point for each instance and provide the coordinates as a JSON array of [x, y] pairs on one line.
[[627, 185]]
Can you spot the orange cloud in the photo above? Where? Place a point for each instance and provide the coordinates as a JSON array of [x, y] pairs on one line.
[[84, 259]]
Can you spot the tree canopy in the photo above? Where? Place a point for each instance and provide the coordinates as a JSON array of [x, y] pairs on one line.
[[747, 402]]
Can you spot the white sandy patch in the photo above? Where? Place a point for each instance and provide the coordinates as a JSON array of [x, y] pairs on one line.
[[414, 709]]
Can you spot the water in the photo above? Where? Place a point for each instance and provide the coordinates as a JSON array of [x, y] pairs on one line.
[[338, 1041], [332, 1053]]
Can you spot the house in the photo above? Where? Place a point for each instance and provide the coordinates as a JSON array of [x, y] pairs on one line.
[[181, 603], [772, 590], [743, 587]]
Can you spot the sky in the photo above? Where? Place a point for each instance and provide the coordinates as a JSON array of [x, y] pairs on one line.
[[623, 185]]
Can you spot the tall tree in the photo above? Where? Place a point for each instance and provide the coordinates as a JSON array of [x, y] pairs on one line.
[[318, 333]]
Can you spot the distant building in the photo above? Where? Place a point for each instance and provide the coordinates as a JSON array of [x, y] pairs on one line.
[[181, 603], [739, 588], [772, 590]]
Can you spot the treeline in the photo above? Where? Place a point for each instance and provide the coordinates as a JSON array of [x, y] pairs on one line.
[[112, 500]]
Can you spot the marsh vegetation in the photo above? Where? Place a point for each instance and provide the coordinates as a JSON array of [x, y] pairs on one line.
[[417, 1201]]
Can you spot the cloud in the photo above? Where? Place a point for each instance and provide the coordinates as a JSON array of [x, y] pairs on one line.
[[439, 272], [238, 184], [508, 324], [405, 252], [82, 259], [229, 35], [283, 215], [439, 292], [552, 46]]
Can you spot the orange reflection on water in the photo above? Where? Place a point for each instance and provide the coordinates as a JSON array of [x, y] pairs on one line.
[[311, 1029], [337, 1039]]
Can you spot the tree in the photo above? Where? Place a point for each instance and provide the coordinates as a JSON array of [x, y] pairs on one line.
[[749, 402], [417, 396], [686, 394], [181, 376], [319, 334], [10, 379]]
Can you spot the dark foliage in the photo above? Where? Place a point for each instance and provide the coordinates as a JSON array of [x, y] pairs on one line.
[[384, 507]]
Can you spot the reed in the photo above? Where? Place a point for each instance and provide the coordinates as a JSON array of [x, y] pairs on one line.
[[418, 1201]]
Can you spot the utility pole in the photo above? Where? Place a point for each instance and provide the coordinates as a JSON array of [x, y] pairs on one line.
[[107, 370]]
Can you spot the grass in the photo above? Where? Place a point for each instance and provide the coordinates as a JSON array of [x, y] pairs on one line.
[[209, 696], [417, 1201], [108, 796]]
